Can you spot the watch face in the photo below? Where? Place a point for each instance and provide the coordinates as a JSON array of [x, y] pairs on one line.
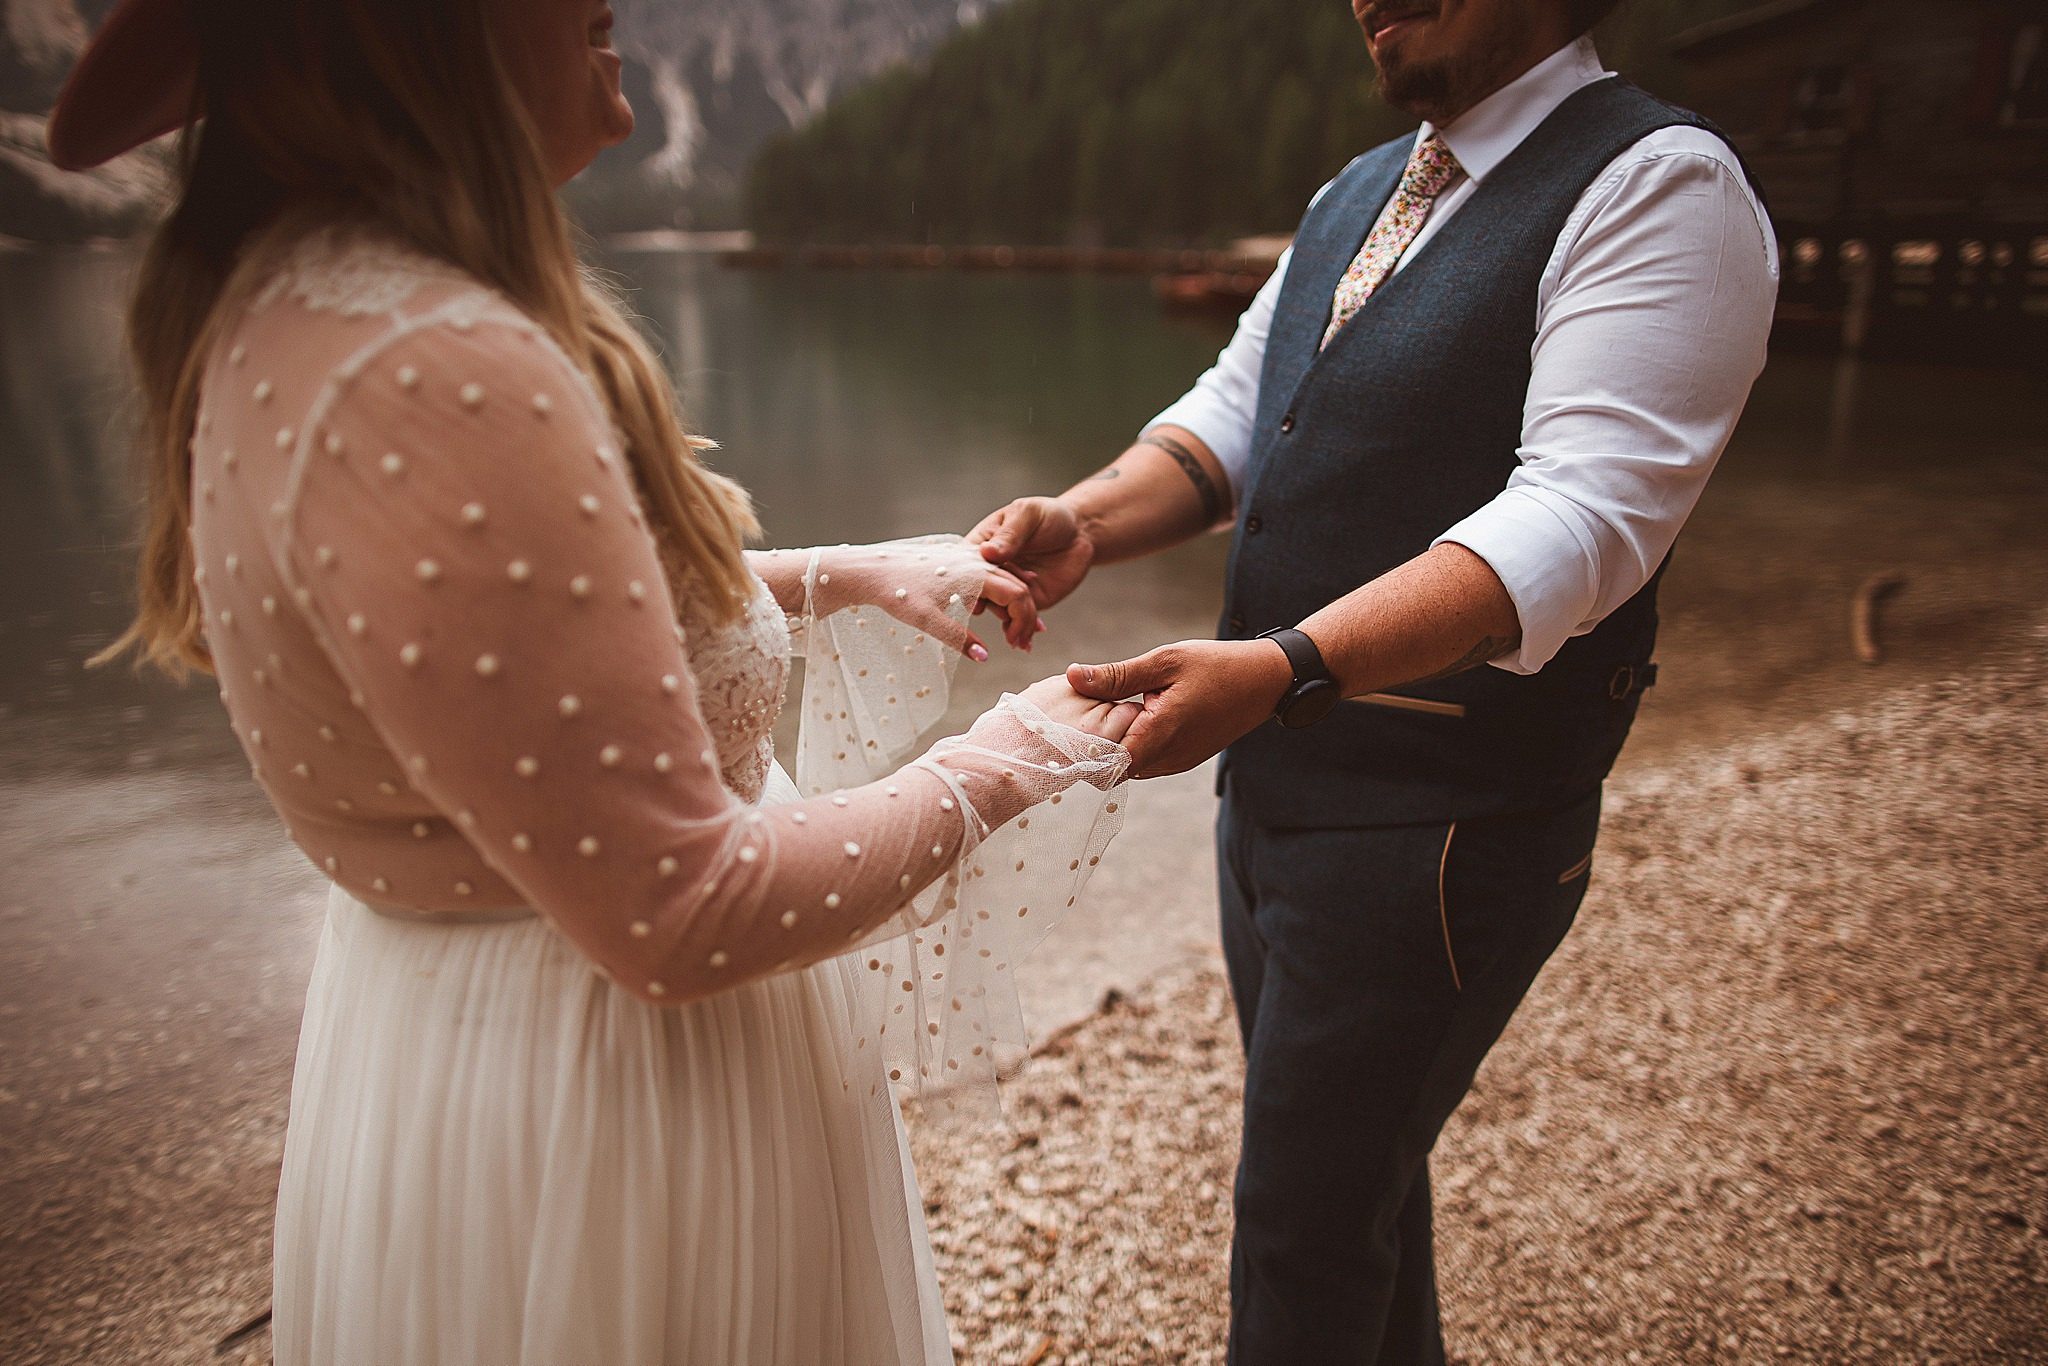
[[1308, 704]]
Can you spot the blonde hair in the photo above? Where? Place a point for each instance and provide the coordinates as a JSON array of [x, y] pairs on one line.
[[397, 114]]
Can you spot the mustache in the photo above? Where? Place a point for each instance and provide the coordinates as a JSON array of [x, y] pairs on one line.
[[1382, 12]]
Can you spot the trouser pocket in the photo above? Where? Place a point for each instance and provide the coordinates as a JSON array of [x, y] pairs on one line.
[[1577, 870], [1508, 887]]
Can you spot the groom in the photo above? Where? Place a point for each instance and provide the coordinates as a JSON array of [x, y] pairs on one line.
[[1455, 436]]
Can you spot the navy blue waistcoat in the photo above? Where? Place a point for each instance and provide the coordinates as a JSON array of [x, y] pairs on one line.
[[1407, 422]]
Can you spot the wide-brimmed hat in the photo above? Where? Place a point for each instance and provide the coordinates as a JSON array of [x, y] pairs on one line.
[[137, 80]]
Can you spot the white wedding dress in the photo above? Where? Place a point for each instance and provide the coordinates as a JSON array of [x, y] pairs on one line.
[[567, 1175], [498, 1153]]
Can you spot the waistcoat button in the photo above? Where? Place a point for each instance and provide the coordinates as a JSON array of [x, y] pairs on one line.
[[1252, 524], [1237, 621], [1287, 424]]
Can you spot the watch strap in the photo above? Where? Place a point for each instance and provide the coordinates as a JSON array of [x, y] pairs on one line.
[[1302, 655]]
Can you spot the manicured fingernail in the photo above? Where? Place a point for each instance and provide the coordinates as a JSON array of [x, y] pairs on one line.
[[977, 654]]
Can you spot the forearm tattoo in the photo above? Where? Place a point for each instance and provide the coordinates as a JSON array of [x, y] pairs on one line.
[[1214, 504], [1486, 651]]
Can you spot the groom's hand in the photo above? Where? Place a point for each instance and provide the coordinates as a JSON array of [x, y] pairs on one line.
[[1199, 696], [1041, 541]]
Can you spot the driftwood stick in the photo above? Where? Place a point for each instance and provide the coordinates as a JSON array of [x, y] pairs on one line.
[[242, 1334], [1863, 614], [1051, 1045]]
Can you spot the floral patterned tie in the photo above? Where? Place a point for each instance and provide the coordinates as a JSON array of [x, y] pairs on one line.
[[1430, 171]]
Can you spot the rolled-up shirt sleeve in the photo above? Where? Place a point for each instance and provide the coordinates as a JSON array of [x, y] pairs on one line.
[[1646, 348]]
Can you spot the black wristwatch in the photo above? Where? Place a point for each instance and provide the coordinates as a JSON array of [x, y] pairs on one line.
[[1314, 693]]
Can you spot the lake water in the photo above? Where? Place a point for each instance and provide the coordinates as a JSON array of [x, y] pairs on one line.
[[155, 928], [858, 406]]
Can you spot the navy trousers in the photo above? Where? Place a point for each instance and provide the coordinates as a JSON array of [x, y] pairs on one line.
[[1372, 970]]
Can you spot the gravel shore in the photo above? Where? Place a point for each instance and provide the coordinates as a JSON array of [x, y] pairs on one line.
[[1780, 1095]]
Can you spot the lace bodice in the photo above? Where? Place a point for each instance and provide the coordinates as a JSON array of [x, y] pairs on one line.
[[352, 273], [447, 643], [742, 670]]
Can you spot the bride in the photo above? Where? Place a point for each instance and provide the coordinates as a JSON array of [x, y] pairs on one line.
[[598, 1053]]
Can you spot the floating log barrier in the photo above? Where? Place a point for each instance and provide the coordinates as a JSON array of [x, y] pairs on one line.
[[1185, 280], [1870, 595], [1209, 291], [1080, 260]]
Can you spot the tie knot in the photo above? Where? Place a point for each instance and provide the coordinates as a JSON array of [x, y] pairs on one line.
[[1431, 169]]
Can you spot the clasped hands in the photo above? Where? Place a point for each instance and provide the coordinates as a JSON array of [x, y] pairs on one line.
[[1172, 707], [1180, 703], [925, 582]]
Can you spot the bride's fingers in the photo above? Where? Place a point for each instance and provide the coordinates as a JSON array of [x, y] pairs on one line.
[[1002, 575], [940, 624], [1116, 720], [1014, 602], [999, 597]]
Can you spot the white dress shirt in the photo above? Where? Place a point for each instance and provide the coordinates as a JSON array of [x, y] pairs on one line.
[[1651, 319]]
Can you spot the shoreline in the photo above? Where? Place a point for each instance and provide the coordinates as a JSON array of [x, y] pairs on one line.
[[1257, 254]]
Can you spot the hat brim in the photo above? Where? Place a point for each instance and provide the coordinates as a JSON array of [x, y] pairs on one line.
[[137, 80]]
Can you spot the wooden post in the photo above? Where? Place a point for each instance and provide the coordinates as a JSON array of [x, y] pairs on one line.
[[1859, 263]]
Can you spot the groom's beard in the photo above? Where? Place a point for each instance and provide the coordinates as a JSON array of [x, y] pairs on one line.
[[1439, 86]]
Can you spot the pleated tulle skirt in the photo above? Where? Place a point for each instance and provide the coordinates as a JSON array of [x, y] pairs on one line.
[[497, 1157]]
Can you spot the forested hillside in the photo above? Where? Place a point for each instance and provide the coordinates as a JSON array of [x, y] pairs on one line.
[[1128, 122]]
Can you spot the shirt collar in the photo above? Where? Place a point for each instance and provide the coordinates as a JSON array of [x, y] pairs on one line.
[[1482, 137]]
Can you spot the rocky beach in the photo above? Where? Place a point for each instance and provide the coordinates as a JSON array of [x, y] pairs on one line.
[[1779, 1096]]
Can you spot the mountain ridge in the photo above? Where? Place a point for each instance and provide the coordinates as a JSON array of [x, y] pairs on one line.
[[710, 80]]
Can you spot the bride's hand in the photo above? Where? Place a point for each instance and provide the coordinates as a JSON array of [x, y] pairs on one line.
[[999, 588], [1109, 721], [1010, 597], [931, 583]]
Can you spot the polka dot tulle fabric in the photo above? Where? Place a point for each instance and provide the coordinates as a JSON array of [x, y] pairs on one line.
[[444, 636]]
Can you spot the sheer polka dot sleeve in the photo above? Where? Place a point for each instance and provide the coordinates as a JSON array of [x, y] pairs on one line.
[[464, 540], [882, 627]]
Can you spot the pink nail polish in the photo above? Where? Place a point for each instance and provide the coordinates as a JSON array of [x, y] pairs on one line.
[[977, 654]]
